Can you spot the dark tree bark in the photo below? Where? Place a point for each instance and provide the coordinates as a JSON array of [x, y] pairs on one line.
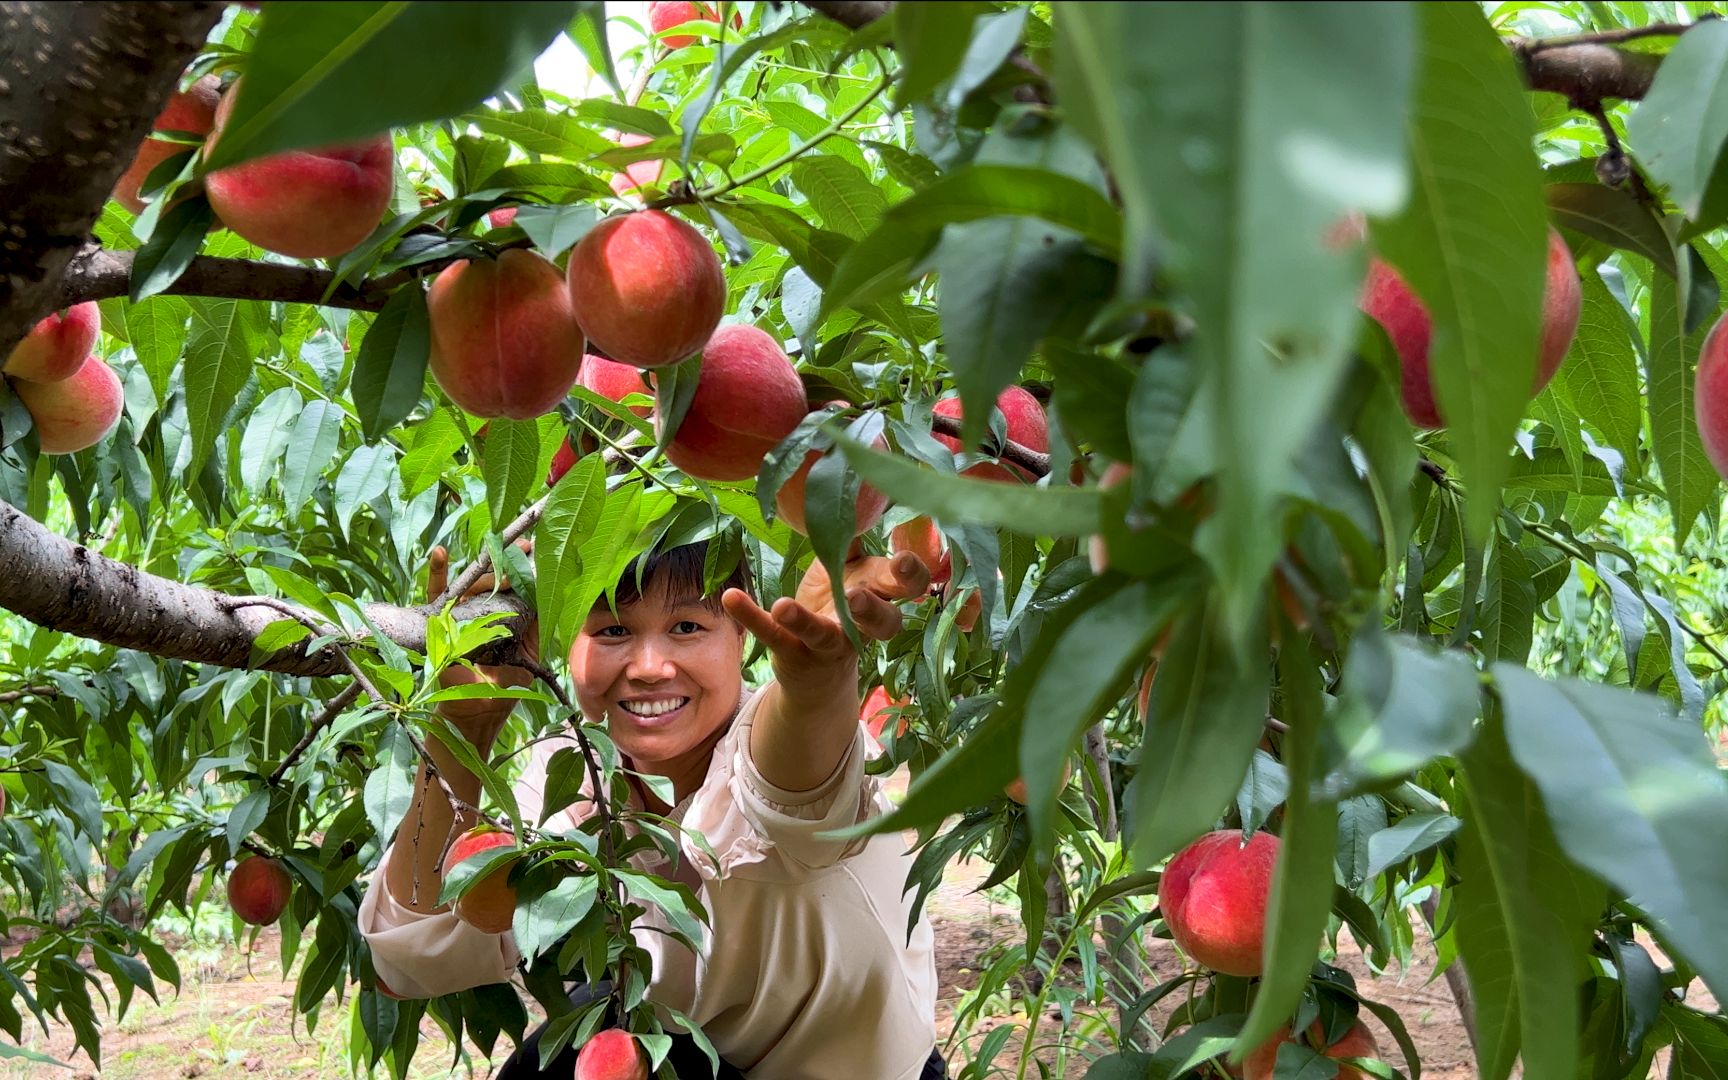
[[96, 273], [80, 85]]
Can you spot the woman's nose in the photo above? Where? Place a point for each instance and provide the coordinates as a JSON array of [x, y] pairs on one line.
[[650, 662]]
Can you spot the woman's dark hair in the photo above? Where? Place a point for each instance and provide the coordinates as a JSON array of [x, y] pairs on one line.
[[681, 570]]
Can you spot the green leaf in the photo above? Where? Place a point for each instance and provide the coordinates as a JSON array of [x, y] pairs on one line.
[[545, 918], [557, 135], [1206, 713], [1471, 243], [1524, 917], [267, 436], [436, 440], [1688, 478], [1613, 217], [1302, 879], [366, 475], [224, 342], [247, 815], [157, 329], [391, 368], [1029, 511], [1600, 375], [842, 196], [1402, 704], [1682, 123], [172, 246], [277, 636], [325, 72], [930, 41], [571, 509], [1635, 798], [510, 461], [311, 446], [1234, 218], [1410, 836]]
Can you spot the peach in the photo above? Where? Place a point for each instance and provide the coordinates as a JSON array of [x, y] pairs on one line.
[[490, 904], [308, 204], [1389, 300], [613, 381], [747, 399], [1213, 895], [562, 462], [501, 217], [970, 609], [611, 1054], [1711, 402], [1096, 551], [1358, 1042], [874, 713], [1016, 789], [665, 14], [1027, 426], [193, 110], [57, 346], [638, 174], [922, 538], [647, 288], [789, 500], [258, 890], [504, 340], [75, 413]]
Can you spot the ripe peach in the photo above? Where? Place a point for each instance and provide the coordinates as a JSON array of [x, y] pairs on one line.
[[665, 14], [489, 905], [56, 347], [1016, 788], [747, 399], [874, 713], [562, 462], [74, 413], [504, 340], [638, 174], [1712, 396], [1027, 426], [258, 890], [1357, 1042], [193, 110], [1096, 552], [1213, 895], [647, 288], [922, 538], [308, 204], [970, 609], [499, 218], [613, 381], [611, 1054], [1389, 300], [789, 500]]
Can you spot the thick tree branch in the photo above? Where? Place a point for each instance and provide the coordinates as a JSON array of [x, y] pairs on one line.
[[1012, 452], [67, 587], [1587, 74], [96, 273], [80, 86]]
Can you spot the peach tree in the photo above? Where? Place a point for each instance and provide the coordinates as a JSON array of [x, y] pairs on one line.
[[1310, 412]]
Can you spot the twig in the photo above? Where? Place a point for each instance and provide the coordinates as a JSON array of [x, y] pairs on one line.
[[1013, 452], [1432, 471], [1610, 37], [8, 696], [317, 626], [1457, 979], [513, 532], [324, 719]]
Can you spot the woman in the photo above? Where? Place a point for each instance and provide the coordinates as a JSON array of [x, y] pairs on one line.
[[807, 972]]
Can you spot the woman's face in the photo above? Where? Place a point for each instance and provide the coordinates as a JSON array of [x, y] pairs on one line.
[[664, 672]]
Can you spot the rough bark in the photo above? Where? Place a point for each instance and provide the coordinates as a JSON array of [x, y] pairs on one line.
[[97, 274], [80, 85], [1586, 73], [64, 586]]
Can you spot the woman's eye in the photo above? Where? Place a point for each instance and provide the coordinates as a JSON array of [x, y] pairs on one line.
[[687, 626], [613, 631]]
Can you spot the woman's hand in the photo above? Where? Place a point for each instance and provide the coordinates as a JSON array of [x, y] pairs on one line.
[[480, 719]]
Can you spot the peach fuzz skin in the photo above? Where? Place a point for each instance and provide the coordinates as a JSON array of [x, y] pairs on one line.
[[1358, 1042], [57, 346], [789, 500], [192, 110], [647, 288], [490, 904], [1389, 300], [75, 413], [258, 890], [611, 1054], [747, 399], [1027, 426], [1712, 396], [307, 204], [1213, 896], [504, 340]]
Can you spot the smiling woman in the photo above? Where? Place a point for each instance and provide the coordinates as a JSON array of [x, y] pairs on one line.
[[805, 968]]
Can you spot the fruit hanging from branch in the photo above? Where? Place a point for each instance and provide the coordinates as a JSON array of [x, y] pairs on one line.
[[75, 413], [192, 111], [1358, 1042], [647, 288], [748, 397], [1026, 425], [611, 1054], [258, 890], [504, 339], [1213, 895], [490, 903], [57, 346]]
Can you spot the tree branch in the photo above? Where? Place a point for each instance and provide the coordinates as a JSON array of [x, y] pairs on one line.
[[1023, 456], [64, 586], [96, 273], [80, 86], [1586, 73]]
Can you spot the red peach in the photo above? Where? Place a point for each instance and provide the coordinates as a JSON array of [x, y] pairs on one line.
[[1027, 426], [922, 538], [1711, 402], [612, 1054], [490, 904], [192, 110], [789, 500], [1389, 300], [1358, 1042], [665, 14], [501, 217], [638, 174], [504, 340], [308, 204], [613, 381], [647, 288], [57, 346], [75, 413], [747, 399], [258, 890], [874, 713], [1213, 895], [562, 462]]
